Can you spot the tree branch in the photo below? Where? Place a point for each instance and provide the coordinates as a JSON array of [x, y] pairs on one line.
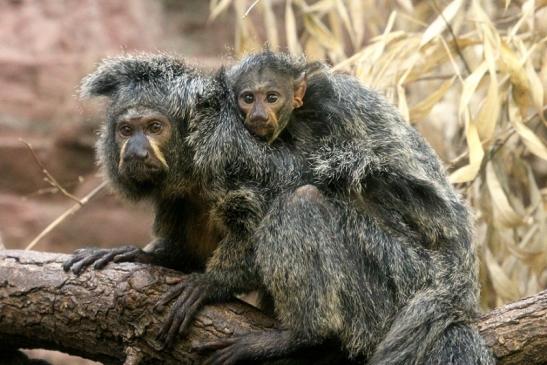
[[107, 315]]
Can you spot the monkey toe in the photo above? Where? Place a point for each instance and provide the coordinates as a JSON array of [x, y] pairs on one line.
[[226, 351], [104, 260]]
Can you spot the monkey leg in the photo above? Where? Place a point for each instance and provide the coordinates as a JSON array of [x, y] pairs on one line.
[[295, 247], [100, 257]]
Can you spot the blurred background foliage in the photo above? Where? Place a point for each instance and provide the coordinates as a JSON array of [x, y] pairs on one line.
[[471, 75]]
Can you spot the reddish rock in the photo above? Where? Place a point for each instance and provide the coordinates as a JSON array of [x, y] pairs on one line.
[[46, 47]]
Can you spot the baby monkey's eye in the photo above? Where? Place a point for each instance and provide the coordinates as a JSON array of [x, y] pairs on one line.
[[248, 98], [155, 127], [272, 98]]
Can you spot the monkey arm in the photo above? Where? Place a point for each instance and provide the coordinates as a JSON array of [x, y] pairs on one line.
[[229, 272]]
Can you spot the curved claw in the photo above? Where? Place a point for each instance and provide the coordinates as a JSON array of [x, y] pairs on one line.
[[190, 297], [99, 258]]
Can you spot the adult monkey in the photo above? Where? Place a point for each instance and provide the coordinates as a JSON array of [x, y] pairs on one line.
[[142, 155]]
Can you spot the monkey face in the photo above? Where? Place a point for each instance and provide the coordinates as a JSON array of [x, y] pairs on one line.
[[267, 99], [262, 108], [141, 135]]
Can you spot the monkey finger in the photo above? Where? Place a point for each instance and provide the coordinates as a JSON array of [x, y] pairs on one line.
[[68, 263], [171, 331], [103, 261], [225, 356], [86, 261], [171, 294], [136, 255], [173, 321], [190, 307], [77, 256]]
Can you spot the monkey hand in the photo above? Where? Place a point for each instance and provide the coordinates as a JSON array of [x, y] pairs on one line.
[[100, 257], [252, 346], [191, 293]]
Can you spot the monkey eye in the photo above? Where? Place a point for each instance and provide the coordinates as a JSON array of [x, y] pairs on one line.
[[125, 130], [272, 98], [248, 98], [155, 127]]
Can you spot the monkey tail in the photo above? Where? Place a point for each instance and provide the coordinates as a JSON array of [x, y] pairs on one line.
[[432, 329]]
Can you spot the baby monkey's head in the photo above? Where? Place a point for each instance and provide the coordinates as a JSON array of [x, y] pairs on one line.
[[268, 87]]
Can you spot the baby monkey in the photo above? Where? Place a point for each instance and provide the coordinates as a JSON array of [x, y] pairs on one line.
[[267, 93]]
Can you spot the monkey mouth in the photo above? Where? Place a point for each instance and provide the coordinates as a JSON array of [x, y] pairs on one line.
[[260, 129], [142, 171]]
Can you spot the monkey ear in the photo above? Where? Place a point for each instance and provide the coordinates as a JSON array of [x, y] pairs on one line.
[[105, 81], [117, 72], [300, 85]]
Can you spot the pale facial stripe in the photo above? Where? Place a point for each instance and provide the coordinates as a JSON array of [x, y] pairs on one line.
[[157, 153], [122, 152]]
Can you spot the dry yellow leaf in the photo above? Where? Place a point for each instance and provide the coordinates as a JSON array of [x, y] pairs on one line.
[[357, 16], [531, 141], [314, 51], [322, 6], [503, 285], [421, 110], [403, 105], [488, 114], [470, 84], [344, 16], [406, 5], [317, 29], [522, 253], [476, 154], [441, 22], [217, 8], [246, 33], [290, 29], [529, 138], [510, 63], [536, 87], [503, 212], [271, 24]]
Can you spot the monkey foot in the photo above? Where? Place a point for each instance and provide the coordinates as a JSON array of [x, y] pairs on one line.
[[99, 257], [253, 346], [190, 294]]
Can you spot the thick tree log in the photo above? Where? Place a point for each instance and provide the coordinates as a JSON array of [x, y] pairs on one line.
[[105, 315]]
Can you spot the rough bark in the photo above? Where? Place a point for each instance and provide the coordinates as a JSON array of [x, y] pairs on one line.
[[106, 315]]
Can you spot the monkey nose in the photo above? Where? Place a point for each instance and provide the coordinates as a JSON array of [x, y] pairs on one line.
[[260, 118], [137, 154]]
